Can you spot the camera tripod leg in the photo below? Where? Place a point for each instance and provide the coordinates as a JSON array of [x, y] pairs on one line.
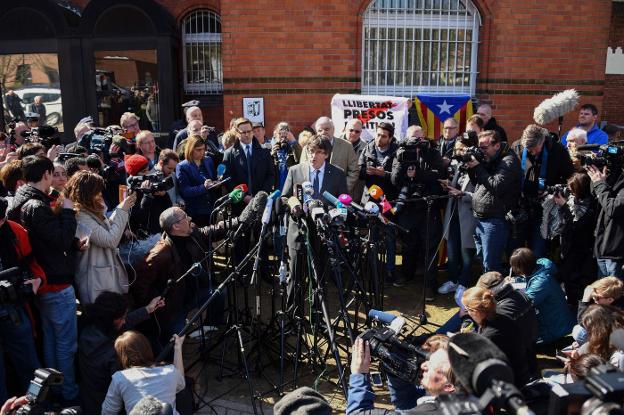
[[241, 349]]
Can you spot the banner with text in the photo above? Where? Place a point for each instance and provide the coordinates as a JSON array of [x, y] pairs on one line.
[[371, 110]]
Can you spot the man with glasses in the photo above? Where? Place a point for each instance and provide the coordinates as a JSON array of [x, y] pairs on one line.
[[353, 134], [342, 154], [497, 188], [181, 245], [247, 162], [446, 143]]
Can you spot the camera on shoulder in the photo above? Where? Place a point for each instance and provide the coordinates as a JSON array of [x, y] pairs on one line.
[[157, 183]]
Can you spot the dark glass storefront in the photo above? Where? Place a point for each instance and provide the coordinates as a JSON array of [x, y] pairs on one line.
[[104, 60]]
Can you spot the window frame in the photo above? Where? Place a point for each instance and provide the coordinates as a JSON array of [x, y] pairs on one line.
[[469, 21], [202, 41]]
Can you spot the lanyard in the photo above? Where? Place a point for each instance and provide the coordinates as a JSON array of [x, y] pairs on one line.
[[542, 177]]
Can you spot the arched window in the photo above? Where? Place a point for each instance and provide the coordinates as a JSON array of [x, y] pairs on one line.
[[201, 37], [415, 46]]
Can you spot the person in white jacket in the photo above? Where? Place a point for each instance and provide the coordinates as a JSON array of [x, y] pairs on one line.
[[98, 268]]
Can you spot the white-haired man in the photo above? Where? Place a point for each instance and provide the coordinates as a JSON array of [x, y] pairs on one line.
[[192, 114], [342, 153]]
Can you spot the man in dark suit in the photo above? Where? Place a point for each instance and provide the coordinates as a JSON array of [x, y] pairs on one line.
[[247, 162], [324, 177]]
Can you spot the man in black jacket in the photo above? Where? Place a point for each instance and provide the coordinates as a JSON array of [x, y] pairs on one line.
[[54, 246], [416, 171], [247, 162], [497, 187], [485, 111], [544, 162], [375, 164], [608, 188]]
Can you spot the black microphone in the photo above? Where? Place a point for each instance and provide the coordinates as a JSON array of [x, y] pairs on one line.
[[588, 147], [251, 213], [480, 366]]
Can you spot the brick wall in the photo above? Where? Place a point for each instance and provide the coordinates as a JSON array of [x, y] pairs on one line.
[[296, 55], [614, 84]]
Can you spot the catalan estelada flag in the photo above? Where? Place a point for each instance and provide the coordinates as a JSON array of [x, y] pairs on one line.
[[433, 110]]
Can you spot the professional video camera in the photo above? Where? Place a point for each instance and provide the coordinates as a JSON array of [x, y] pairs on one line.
[[38, 391], [408, 149], [611, 156], [13, 290], [98, 140], [469, 154], [47, 135], [397, 357], [158, 183]]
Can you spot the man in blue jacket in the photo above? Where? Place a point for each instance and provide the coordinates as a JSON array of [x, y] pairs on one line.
[[588, 121]]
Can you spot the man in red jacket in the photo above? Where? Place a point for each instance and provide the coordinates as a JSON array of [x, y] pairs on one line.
[[16, 334]]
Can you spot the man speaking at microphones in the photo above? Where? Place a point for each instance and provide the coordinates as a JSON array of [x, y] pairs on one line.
[[376, 170], [324, 176]]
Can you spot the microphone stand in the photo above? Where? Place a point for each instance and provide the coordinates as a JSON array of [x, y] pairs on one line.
[[241, 346]]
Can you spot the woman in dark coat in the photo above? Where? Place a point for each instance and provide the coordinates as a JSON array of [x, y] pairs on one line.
[[501, 330]]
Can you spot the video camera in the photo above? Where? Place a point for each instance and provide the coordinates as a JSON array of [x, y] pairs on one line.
[[408, 149], [397, 357], [609, 155], [558, 189], [47, 135], [13, 290], [98, 140], [158, 183]]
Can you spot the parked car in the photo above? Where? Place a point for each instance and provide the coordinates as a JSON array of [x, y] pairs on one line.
[[51, 100]]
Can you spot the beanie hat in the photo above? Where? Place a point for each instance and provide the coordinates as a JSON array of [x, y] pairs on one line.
[[135, 163], [302, 401]]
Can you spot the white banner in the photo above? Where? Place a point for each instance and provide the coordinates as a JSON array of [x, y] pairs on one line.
[[371, 110]]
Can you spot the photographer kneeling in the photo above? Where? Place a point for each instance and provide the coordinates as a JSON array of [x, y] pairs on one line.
[[437, 379]]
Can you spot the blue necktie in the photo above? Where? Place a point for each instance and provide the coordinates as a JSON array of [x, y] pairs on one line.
[[248, 154], [316, 185]]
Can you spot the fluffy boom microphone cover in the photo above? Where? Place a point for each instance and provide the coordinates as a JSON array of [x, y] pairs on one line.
[[557, 106], [476, 361]]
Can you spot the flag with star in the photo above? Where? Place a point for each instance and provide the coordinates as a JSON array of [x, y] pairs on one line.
[[433, 110]]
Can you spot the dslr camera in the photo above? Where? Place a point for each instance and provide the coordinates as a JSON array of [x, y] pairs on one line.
[[158, 183], [469, 154], [47, 135], [397, 357], [13, 290], [38, 391], [558, 189]]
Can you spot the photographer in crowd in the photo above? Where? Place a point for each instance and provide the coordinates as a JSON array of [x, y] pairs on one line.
[[496, 177], [52, 236], [577, 214], [437, 379], [375, 164], [99, 267], [286, 152], [416, 170], [544, 163], [19, 268], [608, 188]]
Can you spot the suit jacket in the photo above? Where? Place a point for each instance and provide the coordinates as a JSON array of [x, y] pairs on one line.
[[262, 175], [344, 157], [334, 182]]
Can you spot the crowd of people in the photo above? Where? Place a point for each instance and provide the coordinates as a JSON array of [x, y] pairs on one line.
[[541, 217]]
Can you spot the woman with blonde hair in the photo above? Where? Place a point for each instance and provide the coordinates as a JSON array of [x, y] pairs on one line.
[[501, 330], [99, 267], [141, 376]]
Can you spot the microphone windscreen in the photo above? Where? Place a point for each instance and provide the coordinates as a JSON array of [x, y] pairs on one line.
[[371, 207], [469, 353], [236, 195], [375, 192], [557, 106], [330, 198], [250, 214], [307, 187], [243, 187], [293, 204], [221, 170], [345, 199], [382, 316]]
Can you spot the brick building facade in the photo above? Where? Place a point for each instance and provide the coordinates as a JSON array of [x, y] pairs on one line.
[[296, 55]]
